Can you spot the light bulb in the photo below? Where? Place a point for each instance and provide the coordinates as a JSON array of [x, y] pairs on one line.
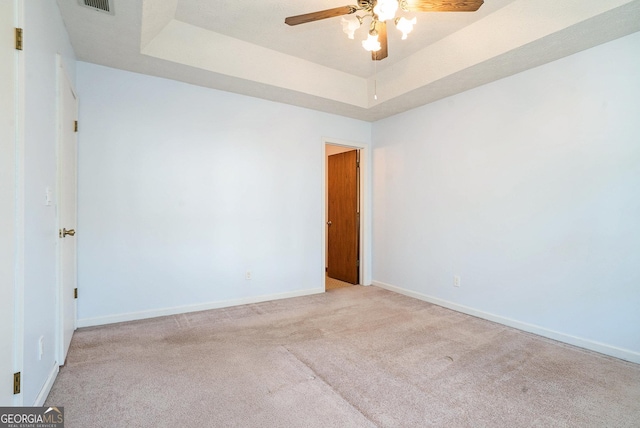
[[405, 25], [371, 44], [385, 9]]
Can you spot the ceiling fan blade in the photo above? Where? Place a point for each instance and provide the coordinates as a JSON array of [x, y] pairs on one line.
[[381, 28], [442, 6], [322, 14]]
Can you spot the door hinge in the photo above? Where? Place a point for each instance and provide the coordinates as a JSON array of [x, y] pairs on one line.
[[75, 126], [75, 293], [16, 383], [19, 39], [358, 263]]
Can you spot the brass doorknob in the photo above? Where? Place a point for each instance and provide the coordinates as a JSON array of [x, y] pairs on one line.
[[66, 232], [329, 223]]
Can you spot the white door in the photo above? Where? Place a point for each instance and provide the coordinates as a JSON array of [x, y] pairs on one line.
[[7, 200], [67, 211]]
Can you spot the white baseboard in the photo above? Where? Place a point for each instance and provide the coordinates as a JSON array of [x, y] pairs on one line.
[[603, 348], [153, 313], [46, 388]]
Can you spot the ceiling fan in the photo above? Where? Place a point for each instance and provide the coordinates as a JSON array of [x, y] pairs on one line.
[[380, 12]]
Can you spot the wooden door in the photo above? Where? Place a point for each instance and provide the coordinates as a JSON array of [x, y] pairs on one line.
[[343, 222], [67, 213]]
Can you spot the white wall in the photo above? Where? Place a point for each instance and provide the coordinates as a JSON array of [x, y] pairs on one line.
[[44, 37], [183, 189], [529, 189]]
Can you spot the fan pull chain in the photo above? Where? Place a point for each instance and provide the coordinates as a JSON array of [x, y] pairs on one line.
[[375, 80]]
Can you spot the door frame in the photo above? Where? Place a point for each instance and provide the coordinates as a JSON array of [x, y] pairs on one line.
[[365, 205], [62, 80], [13, 215]]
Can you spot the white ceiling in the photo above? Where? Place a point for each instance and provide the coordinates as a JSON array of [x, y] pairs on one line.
[[245, 47]]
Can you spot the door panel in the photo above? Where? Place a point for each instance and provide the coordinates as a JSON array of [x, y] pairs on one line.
[[67, 213], [7, 201], [343, 234]]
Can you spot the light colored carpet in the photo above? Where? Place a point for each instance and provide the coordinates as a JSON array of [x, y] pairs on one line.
[[354, 357]]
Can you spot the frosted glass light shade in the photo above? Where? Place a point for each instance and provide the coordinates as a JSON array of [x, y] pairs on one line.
[[350, 24], [385, 9], [371, 44], [405, 26]]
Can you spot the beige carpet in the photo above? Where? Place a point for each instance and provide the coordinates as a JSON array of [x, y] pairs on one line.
[[354, 357]]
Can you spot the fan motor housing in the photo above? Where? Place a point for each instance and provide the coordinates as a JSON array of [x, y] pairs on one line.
[[365, 4]]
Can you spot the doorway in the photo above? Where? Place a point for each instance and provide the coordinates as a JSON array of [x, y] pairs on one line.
[[343, 216]]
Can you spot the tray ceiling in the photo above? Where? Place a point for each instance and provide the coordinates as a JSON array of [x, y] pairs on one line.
[[245, 47]]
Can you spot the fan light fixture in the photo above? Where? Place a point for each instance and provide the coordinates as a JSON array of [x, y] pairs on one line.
[[381, 11]]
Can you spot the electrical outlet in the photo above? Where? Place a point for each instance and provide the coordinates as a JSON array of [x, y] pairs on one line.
[[456, 280], [247, 275]]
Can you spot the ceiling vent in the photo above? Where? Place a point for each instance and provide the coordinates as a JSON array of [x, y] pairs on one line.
[[105, 6]]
